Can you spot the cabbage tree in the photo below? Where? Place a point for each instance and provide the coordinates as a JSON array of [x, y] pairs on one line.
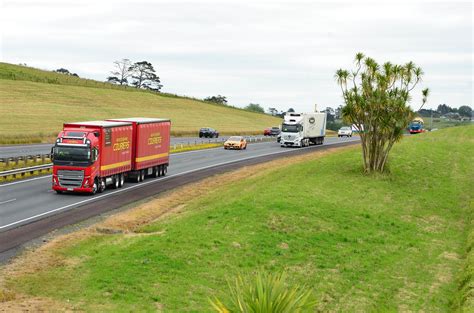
[[376, 101]]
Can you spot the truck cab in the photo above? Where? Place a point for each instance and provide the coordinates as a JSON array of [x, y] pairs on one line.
[[74, 155]]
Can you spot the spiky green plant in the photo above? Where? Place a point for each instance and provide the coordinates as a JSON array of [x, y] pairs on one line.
[[376, 99], [265, 293]]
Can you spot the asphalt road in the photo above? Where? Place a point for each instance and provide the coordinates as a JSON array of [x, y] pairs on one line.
[[30, 208], [34, 149]]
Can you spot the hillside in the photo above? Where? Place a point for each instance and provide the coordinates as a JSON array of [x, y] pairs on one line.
[[35, 103]]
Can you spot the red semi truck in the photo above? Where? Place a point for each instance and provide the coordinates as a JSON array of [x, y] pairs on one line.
[[89, 156]]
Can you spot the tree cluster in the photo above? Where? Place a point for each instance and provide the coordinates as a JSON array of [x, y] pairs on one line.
[[217, 99], [141, 75], [65, 72], [463, 110], [255, 107]]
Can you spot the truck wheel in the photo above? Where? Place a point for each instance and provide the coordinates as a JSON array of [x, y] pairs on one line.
[[59, 192], [94, 187], [101, 185], [122, 180], [142, 174], [116, 184]]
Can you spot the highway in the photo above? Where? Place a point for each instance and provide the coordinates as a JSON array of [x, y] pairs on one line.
[[30, 202], [44, 148]]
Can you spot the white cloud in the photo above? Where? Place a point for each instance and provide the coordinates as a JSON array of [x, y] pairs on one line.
[[274, 53]]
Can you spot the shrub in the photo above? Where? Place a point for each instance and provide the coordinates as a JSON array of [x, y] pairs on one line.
[[265, 293]]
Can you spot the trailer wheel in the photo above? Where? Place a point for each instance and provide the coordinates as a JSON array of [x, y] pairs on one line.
[[142, 174], [116, 184], [122, 180], [164, 170]]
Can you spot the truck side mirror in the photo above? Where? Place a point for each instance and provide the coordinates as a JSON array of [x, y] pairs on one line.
[[52, 154], [97, 134], [95, 154]]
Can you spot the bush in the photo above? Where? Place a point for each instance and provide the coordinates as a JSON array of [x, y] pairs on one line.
[[266, 293]]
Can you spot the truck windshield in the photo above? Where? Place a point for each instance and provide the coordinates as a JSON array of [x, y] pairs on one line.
[[67, 153], [289, 128]]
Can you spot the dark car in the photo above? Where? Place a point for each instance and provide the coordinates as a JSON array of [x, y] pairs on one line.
[[272, 131], [208, 133], [275, 131]]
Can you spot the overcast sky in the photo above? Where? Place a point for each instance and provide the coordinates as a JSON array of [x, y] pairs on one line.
[[276, 53]]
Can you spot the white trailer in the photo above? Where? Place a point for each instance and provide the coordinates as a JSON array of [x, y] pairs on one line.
[[303, 129]]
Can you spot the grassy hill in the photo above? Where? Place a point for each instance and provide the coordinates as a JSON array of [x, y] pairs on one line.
[[35, 103], [362, 243]]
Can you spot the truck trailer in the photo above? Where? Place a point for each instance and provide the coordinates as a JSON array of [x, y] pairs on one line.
[[303, 129], [89, 156], [150, 153]]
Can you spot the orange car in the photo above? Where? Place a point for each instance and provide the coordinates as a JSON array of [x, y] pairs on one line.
[[236, 142]]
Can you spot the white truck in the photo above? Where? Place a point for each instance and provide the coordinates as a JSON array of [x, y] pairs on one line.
[[303, 129]]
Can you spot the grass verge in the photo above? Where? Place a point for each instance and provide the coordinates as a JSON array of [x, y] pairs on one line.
[[392, 242]]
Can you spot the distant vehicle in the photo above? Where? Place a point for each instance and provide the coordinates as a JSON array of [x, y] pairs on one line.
[[275, 131], [416, 126], [89, 156], [208, 133], [236, 142], [344, 131], [272, 131], [303, 129]]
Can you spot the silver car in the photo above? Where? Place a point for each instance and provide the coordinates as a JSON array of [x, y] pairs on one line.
[[344, 131]]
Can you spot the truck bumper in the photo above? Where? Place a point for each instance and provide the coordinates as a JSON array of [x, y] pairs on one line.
[[78, 189]]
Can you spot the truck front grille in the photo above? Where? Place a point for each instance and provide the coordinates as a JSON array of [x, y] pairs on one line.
[[70, 178], [289, 137]]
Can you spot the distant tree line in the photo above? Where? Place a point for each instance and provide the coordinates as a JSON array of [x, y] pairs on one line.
[[141, 75], [444, 109]]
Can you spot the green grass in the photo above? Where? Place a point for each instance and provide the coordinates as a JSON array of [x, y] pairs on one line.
[[392, 242], [36, 103]]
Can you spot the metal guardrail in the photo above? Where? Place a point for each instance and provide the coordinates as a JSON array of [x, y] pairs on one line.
[[24, 158], [23, 171], [43, 167]]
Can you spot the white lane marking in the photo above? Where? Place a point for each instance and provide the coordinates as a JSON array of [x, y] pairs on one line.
[[8, 201], [151, 182], [24, 181]]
